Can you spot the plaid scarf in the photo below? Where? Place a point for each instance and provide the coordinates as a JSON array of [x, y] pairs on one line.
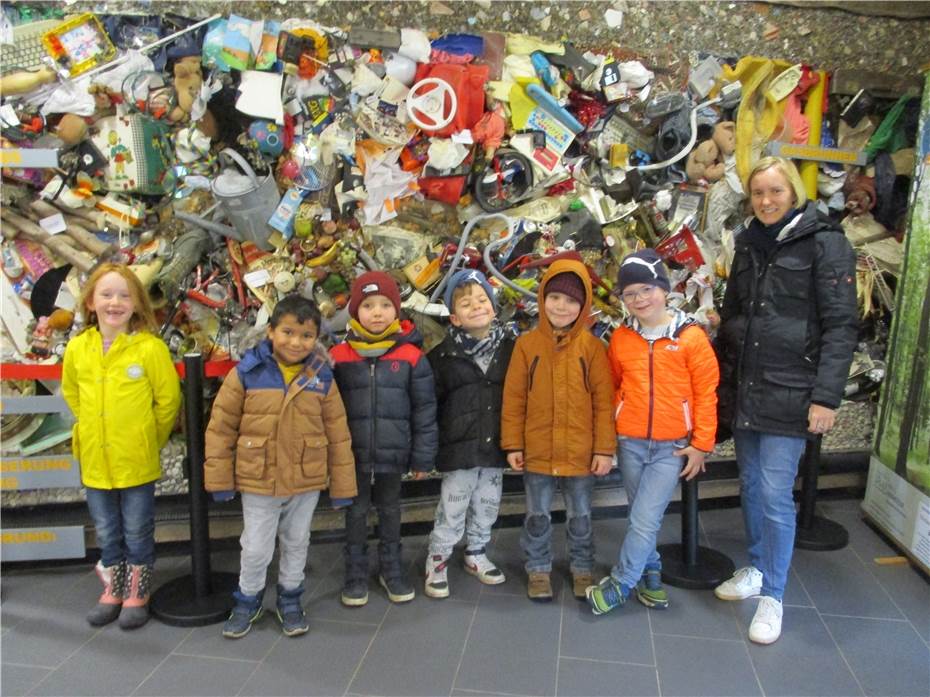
[[372, 345]]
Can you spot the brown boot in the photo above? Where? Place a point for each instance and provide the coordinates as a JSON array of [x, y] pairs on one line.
[[539, 588], [135, 610], [108, 606], [580, 582]]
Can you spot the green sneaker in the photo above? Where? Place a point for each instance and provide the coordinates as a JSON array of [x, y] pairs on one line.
[[649, 590], [605, 596]]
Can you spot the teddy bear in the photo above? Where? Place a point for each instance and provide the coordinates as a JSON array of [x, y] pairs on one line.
[[187, 82], [702, 163], [725, 138], [705, 161]]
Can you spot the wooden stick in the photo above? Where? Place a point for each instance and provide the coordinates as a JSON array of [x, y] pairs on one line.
[[32, 232], [75, 229], [91, 215]]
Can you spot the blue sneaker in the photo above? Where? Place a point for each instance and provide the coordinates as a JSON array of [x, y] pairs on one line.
[[649, 590], [247, 610], [606, 595]]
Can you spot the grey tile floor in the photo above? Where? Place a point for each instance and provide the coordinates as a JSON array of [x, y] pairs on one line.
[[852, 627]]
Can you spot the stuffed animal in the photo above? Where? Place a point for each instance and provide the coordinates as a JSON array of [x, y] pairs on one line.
[[702, 163], [725, 138], [187, 82]]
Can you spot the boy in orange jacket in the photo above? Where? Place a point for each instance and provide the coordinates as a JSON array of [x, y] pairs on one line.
[[556, 424], [665, 409]]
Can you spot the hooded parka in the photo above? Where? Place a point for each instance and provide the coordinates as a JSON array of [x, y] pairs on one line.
[[558, 392]]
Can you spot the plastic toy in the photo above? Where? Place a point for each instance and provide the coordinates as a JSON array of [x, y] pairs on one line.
[[432, 109], [79, 44]]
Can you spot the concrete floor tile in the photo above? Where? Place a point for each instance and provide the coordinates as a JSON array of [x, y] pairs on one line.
[[583, 678], [691, 667]]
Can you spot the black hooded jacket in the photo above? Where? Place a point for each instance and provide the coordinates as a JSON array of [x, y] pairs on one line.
[[469, 406], [789, 326]]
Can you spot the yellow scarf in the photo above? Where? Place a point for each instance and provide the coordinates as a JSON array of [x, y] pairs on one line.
[[371, 345]]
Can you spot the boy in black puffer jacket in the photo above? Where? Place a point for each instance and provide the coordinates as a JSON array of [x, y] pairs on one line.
[[387, 386], [470, 366]]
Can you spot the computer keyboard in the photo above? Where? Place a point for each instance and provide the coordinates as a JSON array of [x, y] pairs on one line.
[[26, 51]]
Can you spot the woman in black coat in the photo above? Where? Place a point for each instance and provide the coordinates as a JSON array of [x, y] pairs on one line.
[[789, 328]]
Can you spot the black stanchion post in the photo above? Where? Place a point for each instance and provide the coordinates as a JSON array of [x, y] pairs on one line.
[[203, 597], [689, 565], [813, 532]]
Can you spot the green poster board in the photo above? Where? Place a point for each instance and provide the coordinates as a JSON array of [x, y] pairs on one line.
[[898, 491]]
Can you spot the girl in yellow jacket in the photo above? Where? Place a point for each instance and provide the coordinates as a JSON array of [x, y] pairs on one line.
[[119, 381], [665, 409]]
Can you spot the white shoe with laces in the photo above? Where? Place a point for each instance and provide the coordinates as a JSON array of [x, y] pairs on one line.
[[745, 583], [766, 623], [437, 576], [487, 572]]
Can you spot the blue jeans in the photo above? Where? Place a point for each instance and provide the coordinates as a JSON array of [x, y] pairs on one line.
[[124, 520], [536, 539], [768, 465], [650, 474]]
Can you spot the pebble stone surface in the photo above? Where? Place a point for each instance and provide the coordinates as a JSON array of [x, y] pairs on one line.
[[824, 37]]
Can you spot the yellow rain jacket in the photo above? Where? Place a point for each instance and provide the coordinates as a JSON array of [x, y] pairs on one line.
[[125, 403]]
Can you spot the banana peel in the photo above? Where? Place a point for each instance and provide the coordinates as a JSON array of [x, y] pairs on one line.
[[326, 257]]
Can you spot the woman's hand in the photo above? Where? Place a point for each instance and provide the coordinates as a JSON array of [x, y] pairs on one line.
[[820, 419]]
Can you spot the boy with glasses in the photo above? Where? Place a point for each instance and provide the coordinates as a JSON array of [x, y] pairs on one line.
[[665, 411]]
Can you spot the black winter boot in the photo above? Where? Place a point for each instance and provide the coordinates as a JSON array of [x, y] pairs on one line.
[[393, 575], [355, 588]]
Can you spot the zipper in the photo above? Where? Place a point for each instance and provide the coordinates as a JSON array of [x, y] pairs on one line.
[[374, 411], [584, 372], [685, 408], [532, 372], [618, 410], [651, 393]]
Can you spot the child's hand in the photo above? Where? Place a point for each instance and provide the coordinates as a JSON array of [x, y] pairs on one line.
[[515, 460], [695, 464], [601, 465], [420, 475]]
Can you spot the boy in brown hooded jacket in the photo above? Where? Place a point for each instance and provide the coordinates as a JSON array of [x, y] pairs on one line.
[[557, 425]]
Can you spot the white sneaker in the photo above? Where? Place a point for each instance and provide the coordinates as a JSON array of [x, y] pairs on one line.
[[745, 583], [479, 565], [437, 578], [766, 623]]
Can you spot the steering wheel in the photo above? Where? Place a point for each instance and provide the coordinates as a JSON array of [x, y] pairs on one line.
[[434, 108]]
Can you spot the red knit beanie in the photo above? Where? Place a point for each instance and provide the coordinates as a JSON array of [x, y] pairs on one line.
[[374, 283], [568, 283]]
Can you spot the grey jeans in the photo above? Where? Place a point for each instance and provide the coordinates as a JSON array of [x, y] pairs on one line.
[[264, 516], [468, 503]]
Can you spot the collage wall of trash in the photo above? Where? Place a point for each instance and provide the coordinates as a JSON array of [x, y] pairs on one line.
[[232, 160]]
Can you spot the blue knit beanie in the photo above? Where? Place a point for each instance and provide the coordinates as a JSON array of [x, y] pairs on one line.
[[463, 276]]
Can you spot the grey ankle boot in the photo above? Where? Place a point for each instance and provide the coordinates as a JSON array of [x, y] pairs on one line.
[[111, 600]]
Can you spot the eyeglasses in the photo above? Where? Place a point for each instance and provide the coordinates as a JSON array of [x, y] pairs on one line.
[[634, 295]]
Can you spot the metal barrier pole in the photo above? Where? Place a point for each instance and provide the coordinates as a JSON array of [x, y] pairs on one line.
[[202, 597], [689, 565], [813, 532]]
